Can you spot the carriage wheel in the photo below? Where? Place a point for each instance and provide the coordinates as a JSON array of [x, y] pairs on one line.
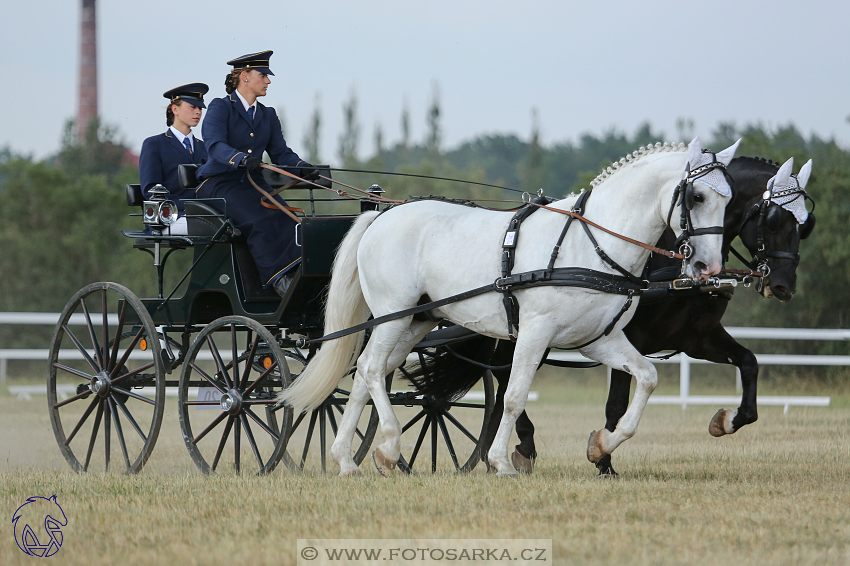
[[451, 432], [243, 395], [306, 438], [108, 374]]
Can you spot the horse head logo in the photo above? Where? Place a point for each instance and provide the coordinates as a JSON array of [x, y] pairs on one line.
[[38, 526]]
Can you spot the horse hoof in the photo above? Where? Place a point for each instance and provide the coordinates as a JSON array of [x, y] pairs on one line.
[[595, 447], [351, 474], [721, 422], [612, 475], [522, 464], [384, 465]]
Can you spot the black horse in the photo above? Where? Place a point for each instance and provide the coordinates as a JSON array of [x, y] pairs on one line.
[[666, 319]]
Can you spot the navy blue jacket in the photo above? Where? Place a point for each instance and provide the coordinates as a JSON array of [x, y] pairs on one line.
[[230, 135], [161, 154]]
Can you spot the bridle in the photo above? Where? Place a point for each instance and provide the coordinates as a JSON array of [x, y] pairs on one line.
[[769, 216], [684, 196]]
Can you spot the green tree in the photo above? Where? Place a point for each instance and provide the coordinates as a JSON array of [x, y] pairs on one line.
[[311, 136], [350, 136]]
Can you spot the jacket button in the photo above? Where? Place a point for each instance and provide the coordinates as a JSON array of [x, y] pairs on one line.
[[251, 134], [249, 151]]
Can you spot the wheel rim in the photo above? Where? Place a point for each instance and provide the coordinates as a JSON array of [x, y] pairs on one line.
[[439, 434], [241, 431], [102, 388]]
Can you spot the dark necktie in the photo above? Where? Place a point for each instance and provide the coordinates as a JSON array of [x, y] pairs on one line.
[[251, 112], [188, 144]]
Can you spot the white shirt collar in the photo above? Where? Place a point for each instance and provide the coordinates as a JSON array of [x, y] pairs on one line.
[[179, 135], [245, 102]]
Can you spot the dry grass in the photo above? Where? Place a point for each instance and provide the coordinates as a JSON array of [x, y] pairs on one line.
[[778, 492]]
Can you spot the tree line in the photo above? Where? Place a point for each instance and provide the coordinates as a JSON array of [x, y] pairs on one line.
[[61, 217]]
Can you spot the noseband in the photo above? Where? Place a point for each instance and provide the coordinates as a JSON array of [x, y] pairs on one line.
[[684, 196]]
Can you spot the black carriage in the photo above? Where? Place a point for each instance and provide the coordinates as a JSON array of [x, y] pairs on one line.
[[226, 346]]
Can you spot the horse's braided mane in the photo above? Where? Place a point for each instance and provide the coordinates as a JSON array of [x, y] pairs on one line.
[[759, 161], [636, 155]]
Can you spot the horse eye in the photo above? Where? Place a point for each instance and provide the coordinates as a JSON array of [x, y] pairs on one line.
[[698, 198]]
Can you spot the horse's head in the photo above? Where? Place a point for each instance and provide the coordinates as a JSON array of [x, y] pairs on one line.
[[774, 226], [701, 199]]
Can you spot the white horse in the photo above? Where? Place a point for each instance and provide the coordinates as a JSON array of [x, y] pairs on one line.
[[430, 250]]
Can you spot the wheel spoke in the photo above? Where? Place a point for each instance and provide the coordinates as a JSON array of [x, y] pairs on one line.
[[332, 420], [81, 421], [81, 348], [105, 330], [223, 441], [130, 347], [251, 441], [237, 441], [203, 374], [413, 421], [107, 433], [469, 405], [419, 442], [310, 428], [211, 426], [298, 421], [119, 432], [90, 327], [460, 427], [234, 355], [263, 425], [134, 395], [322, 441], [433, 443], [258, 380], [248, 364], [218, 362], [73, 371], [116, 342], [130, 418], [94, 433], [448, 440], [133, 372]]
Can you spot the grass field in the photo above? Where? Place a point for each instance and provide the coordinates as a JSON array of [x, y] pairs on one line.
[[777, 492]]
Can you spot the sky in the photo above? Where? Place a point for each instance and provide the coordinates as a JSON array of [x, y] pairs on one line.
[[584, 67]]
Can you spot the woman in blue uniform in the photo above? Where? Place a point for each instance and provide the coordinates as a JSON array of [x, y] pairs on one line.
[[161, 154], [237, 130]]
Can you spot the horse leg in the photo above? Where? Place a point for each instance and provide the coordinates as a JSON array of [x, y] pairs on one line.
[[616, 351], [721, 348], [341, 447], [502, 355], [527, 355], [615, 408]]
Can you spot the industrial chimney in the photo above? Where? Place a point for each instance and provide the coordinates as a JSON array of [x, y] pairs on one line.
[[87, 109]]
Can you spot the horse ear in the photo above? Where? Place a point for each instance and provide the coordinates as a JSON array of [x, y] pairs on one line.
[[804, 174], [694, 151], [784, 173], [727, 154]]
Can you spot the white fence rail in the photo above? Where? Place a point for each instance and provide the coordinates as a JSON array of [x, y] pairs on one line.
[[684, 398]]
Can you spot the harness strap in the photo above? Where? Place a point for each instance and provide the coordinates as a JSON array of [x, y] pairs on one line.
[[509, 245], [560, 277]]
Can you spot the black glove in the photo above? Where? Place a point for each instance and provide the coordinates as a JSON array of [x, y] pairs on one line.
[[309, 172], [250, 163]]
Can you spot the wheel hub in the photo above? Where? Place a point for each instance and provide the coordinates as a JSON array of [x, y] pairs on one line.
[[100, 384], [231, 402]]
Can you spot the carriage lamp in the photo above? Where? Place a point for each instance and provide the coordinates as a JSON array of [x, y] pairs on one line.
[[159, 210], [367, 205]]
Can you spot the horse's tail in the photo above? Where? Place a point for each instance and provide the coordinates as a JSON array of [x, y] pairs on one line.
[[345, 307]]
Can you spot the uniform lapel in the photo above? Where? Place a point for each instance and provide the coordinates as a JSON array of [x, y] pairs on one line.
[[237, 105], [172, 140]]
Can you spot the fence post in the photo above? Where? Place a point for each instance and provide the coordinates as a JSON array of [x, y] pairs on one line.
[[684, 379], [3, 371]]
